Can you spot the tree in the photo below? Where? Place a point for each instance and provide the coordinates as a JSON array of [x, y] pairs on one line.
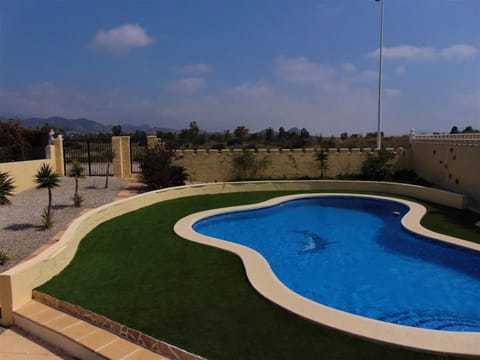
[[281, 132], [376, 167], [322, 159], [76, 171], [158, 171], [109, 155], [304, 134], [117, 130], [241, 132], [268, 137], [47, 178], [12, 138], [454, 130], [6, 188]]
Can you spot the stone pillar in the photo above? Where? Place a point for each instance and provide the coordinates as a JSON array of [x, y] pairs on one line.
[[121, 161], [58, 162]]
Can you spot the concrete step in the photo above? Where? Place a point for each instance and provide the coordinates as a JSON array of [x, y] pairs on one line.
[[77, 337]]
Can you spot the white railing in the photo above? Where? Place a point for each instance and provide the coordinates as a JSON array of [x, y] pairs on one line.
[[447, 139]]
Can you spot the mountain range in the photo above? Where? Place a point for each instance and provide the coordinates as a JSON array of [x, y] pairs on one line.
[[88, 126]]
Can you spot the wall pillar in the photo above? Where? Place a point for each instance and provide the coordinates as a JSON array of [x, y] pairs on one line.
[[58, 162], [121, 161], [6, 302]]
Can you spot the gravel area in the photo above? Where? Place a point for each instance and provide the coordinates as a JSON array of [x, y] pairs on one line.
[[19, 222]]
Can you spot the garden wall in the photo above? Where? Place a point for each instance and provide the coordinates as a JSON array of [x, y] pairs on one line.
[[213, 165], [451, 162], [23, 173]]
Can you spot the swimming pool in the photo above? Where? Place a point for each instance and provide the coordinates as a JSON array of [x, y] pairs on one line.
[[353, 254]]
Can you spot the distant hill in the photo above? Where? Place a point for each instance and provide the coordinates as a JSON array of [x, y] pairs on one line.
[[78, 125], [86, 126]]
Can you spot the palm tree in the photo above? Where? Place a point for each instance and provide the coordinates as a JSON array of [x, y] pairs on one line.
[[6, 188], [109, 156], [322, 159], [46, 177], [76, 171]]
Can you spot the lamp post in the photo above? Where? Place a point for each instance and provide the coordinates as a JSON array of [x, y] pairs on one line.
[[380, 70]]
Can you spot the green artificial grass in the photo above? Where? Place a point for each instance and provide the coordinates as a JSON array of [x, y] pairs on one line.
[[135, 270]]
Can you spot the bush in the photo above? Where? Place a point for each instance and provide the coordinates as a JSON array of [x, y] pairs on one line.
[[376, 167], [410, 177], [158, 171], [3, 257], [246, 165]]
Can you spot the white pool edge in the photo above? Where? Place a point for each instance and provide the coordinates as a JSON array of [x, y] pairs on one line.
[[266, 283]]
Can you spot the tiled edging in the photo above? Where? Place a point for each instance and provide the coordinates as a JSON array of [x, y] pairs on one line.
[[135, 336]]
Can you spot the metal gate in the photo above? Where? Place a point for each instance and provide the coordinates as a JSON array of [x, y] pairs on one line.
[[92, 154], [137, 149]]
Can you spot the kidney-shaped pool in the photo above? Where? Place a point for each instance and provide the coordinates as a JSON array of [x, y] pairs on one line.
[[352, 253]]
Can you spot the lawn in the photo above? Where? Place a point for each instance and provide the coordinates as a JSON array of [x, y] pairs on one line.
[[135, 270]]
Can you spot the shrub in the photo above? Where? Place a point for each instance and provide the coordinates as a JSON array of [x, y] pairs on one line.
[[376, 166], [158, 171], [6, 188], [410, 177], [47, 220], [246, 165], [3, 257]]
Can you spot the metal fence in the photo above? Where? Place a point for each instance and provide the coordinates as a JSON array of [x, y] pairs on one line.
[[137, 149], [91, 154]]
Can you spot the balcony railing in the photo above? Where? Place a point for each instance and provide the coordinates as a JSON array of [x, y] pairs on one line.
[[447, 139]]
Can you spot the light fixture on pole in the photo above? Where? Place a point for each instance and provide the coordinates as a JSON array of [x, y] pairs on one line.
[[380, 70]]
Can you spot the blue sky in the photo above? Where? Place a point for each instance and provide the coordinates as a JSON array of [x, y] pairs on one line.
[[256, 63]]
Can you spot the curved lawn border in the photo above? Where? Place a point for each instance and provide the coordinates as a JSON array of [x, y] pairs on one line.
[[266, 283]]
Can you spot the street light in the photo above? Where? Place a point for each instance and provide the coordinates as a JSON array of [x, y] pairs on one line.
[[380, 70]]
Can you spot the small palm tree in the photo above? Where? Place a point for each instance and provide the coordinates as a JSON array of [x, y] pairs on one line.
[[109, 156], [77, 172], [6, 188], [46, 177], [322, 159]]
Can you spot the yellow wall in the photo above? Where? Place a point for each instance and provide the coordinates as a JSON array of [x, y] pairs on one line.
[[23, 172], [455, 168], [213, 165], [17, 283]]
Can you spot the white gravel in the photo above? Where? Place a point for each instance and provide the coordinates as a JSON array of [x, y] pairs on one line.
[[19, 222]]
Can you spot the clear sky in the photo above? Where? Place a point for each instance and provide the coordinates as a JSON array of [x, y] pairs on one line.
[[258, 63]]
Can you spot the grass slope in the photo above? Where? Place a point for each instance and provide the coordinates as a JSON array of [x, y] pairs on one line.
[[135, 270]]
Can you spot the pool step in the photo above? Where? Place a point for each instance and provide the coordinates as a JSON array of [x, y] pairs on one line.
[[432, 320], [77, 337]]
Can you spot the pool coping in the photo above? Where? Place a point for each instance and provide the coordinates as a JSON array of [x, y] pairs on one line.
[[263, 279]]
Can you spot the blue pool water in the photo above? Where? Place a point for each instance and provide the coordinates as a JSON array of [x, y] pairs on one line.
[[353, 254]]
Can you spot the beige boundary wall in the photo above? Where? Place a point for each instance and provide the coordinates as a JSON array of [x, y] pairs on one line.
[[16, 284], [216, 165], [455, 168], [23, 172]]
